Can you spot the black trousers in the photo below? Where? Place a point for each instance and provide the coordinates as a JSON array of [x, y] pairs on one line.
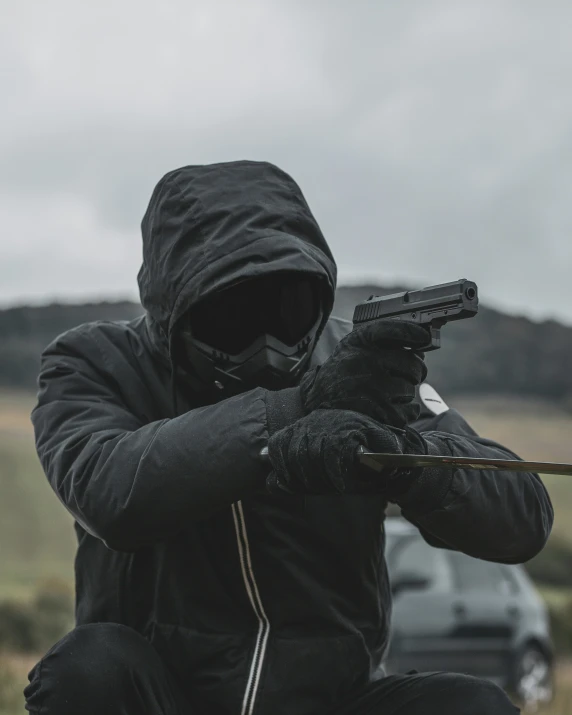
[[111, 669]]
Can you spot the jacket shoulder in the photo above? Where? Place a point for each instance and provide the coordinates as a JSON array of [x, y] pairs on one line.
[[83, 340], [436, 416], [114, 354]]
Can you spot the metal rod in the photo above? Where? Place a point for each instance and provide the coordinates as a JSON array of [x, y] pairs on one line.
[[379, 461]]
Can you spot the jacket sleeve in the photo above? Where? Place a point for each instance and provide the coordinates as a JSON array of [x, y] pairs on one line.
[[494, 515], [131, 483]]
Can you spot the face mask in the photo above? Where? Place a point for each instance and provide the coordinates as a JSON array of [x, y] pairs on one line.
[[258, 333]]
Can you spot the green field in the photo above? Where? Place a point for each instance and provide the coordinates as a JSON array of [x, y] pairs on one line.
[[36, 534]]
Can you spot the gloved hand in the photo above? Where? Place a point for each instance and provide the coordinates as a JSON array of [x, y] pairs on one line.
[[317, 455], [372, 372]]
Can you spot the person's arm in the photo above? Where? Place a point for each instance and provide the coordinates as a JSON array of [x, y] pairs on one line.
[[129, 483], [494, 515]]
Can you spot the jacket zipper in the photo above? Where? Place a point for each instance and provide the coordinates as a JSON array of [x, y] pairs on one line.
[[253, 682]]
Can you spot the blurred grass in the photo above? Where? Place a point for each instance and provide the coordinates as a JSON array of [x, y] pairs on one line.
[[562, 703], [556, 598], [13, 680], [36, 535]]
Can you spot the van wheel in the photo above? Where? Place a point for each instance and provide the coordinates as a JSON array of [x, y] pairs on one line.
[[532, 683]]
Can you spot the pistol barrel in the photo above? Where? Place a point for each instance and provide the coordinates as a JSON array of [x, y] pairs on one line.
[[435, 305]]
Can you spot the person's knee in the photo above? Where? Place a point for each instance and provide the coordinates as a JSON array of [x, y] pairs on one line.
[[493, 699], [473, 696], [90, 662], [97, 652]]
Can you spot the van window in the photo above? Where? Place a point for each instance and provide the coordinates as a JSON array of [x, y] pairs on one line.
[[477, 575], [413, 556]]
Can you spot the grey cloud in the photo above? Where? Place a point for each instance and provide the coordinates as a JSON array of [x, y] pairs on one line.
[[430, 137]]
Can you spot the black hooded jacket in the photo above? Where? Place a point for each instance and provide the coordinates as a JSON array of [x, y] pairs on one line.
[[258, 604]]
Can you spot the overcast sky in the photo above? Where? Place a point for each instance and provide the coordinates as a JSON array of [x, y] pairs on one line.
[[432, 138]]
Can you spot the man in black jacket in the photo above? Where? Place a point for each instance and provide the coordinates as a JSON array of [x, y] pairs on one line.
[[208, 581]]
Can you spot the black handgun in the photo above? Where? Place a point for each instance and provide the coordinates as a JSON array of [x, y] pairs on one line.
[[433, 307]]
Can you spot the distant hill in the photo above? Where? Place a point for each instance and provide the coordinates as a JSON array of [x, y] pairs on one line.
[[493, 353], [25, 331]]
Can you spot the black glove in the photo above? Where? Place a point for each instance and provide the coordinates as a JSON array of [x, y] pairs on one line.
[[372, 372], [317, 455]]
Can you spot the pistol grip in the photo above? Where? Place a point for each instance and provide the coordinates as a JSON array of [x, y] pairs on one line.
[[435, 339]]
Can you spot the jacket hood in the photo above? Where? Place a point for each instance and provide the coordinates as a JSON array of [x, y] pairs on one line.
[[208, 227]]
